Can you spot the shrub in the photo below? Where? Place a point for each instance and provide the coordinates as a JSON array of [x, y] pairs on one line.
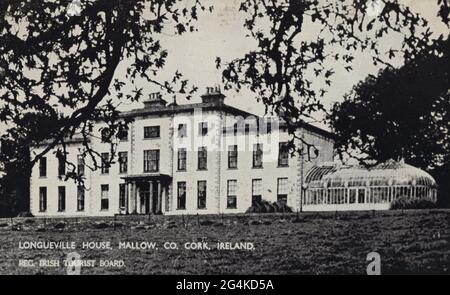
[[25, 214], [264, 206], [406, 203], [100, 225], [59, 225]]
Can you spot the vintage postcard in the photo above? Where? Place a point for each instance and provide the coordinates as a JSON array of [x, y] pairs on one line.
[[231, 137]]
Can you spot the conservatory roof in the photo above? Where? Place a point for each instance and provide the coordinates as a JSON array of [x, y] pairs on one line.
[[390, 173]]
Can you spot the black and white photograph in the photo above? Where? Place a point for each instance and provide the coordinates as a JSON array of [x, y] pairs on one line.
[[224, 137]]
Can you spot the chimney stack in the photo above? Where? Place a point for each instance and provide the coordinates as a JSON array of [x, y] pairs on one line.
[[213, 95], [155, 100]]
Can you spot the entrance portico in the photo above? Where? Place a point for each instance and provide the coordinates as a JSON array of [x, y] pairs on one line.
[[147, 193]]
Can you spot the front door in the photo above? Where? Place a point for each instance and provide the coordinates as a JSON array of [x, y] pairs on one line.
[[145, 202]]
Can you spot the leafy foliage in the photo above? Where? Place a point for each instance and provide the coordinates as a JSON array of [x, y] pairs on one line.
[[266, 207], [58, 68], [400, 114], [407, 203], [290, 73]]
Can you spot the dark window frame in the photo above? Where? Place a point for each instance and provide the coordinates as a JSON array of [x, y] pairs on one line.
[[182, 159], [256, 197], [122, 135], [122, 195], [43, 199], [151, 157], [282, 197], [283, 154], [80, 165], [202, 158], [257, 159], [81, 198], [233, 157], [61, 165], [123, 162], [231, 198], [43, 167], [182, 130], [105, 135], [181, 195], [105, 165], [104, 202], [201, 194], [268, 127], [203, 128], [61, 198], [152, 132]]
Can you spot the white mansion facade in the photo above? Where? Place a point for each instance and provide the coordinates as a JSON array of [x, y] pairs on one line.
[[199, 158]]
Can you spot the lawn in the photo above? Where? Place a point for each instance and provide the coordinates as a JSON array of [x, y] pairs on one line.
[[315, 243]]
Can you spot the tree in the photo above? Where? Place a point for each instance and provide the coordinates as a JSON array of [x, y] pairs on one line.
[[285, 68], [400, 114], [58, 65]]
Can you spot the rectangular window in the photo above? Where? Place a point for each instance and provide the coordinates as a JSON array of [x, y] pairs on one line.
[[352, 195], [269, 127], [106, 135], [257, 155], [201, 194], [105, 163], [61, 165], [151, 161], [182, 130], [231, 194], [181, 195], [122, 195], [203, 128], [123, 162], [80, 165], [181, 159], [232, 156], [122, 134], [283, 154], [202, 158], [256, 191], [282, 190], [61, 198], [80, 198], [151, 132], [105, 197], [43, 167], [361, 196], [42, 199]]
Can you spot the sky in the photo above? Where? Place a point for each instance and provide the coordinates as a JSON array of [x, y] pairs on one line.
[[221, 33]]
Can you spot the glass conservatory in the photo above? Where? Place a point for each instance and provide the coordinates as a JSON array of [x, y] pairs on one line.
[[331, 187]]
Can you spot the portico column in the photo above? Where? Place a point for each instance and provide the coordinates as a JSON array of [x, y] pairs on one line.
[[127, 197], [163, 198], [158, 200], [138, 199], [132, 198], [151, 184]]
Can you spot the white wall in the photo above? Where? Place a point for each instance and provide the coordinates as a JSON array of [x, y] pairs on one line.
[[216, 175]]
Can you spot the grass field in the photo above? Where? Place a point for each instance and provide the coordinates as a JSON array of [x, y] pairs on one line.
[[325, 243]]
